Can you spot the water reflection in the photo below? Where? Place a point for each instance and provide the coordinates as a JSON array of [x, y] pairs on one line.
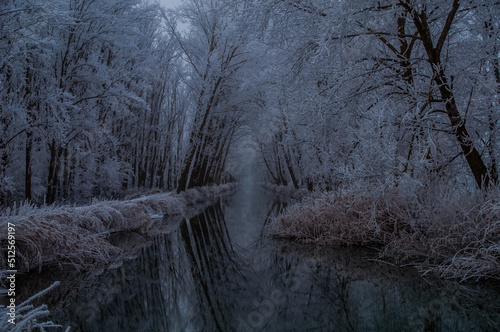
[[217, 272], [341, 290], [221, 279]]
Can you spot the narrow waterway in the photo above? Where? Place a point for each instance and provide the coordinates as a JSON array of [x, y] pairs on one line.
[[218, 272]]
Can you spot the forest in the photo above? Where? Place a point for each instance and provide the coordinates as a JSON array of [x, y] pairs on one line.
[[135, 134], [386, 111]]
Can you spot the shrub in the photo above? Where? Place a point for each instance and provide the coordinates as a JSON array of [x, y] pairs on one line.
[[455, 234]]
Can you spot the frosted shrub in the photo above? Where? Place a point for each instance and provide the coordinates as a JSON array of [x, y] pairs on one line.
[[28, 317], [456, 235]]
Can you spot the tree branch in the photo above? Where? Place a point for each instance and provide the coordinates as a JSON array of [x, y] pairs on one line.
[[447, 26]]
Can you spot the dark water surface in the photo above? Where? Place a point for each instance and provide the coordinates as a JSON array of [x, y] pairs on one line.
[[217, 272]]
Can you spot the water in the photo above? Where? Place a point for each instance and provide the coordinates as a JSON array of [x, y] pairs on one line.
[[218, 272]]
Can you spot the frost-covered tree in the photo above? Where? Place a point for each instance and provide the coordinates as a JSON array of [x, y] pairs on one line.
[[383, 90], [214, 51], [91, 99], [100, 97]]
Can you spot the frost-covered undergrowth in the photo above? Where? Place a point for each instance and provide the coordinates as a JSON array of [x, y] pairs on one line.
[[78, 236], [29, 317], [456, 235], [287, 191]]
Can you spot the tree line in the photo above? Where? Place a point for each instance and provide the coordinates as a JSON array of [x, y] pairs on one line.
[[381, 92], [101, 97]]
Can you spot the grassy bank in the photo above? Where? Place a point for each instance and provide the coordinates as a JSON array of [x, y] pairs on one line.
[[77, 237], [454, 234]]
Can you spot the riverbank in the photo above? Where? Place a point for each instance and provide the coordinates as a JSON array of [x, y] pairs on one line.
[[79, 237], [453, 234], [285, 191]]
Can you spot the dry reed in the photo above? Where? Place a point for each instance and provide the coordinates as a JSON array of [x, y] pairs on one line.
[[78, 236], [456, 236]]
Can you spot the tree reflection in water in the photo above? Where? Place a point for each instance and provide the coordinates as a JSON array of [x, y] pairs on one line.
[[197, 279]]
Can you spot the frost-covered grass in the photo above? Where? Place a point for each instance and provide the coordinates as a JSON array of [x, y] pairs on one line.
[[78, 236], [455, 234], [29, 317]]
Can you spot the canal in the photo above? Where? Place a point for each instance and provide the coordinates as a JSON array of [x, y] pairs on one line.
[[218, 271]]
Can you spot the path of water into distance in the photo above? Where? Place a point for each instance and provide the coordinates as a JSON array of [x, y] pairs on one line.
[[219, 272]]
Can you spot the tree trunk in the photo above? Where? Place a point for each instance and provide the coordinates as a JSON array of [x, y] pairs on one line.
[[268, 167], [184, 179], [476, 164], [67, 170], [54, 167], [28, 170], [288, 161], [471, 154]]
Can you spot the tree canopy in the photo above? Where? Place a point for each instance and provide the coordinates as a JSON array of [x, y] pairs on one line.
[[102, 97]]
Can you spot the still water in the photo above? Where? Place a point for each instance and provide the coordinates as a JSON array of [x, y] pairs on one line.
[[218, 272]]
